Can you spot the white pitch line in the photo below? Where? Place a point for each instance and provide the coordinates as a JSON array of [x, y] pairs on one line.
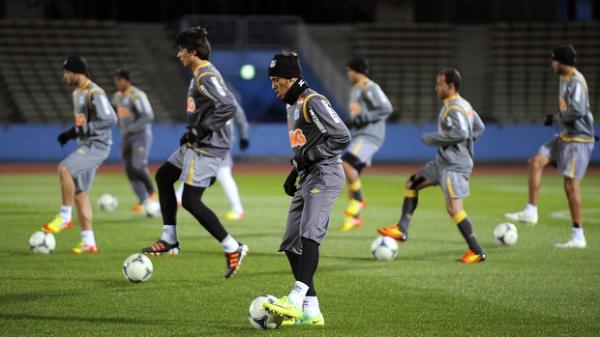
[[566, 215]]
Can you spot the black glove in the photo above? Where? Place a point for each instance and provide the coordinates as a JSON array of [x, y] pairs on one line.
[[244, 144], [549, 120], [361, 120], [195, 134], [67, 135], [183, 139], [289, 186], [302, 159]]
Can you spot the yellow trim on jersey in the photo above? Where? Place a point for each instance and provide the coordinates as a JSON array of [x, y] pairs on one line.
[[190, 177], [84, 85], [450, 187], [459, 217], [305, 105], [451, 98], [575, 139], [357, 147], [202, 64], [572, 168], [410, 193], [452, 107], [570, 71], [197, 78]]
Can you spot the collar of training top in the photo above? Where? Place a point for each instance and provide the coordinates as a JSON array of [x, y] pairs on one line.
[[297, 88]]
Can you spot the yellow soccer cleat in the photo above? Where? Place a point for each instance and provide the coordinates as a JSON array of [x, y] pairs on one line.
[[82, 248], [234, 216], [393, 232], [305, 320], [472, 257], [350, 223], [57, 225], [355, 207], [284, 307]]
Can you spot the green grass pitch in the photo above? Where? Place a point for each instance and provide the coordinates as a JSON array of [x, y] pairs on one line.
[[530, 289]]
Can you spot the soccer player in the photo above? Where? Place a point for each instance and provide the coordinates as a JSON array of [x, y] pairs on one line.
[[94, 118], [135, 121], [369, 108], [224, 176], [458, 128], [210, 105], [568, 151], [317, 136]]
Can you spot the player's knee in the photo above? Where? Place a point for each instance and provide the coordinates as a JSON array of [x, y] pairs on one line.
[[167, 174], [192, 198], [536, 162], [571, 186]]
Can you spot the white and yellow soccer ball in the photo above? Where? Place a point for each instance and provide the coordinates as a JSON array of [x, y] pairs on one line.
[[42, 243], [137, 268], [107, 202], [151, 208], [261, 319], [384, 248], [506, 234]]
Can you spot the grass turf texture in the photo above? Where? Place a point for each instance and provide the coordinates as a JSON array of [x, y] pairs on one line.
[[531, 289]]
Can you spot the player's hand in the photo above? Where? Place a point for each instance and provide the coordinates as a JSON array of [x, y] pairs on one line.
[[196, 134], [549, 120], [244, 144], [361, 120], [67, 135], [183, 139], [289, 186]]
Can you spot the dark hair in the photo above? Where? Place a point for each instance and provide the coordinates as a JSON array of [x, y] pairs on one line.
[[194, 39], [451, 76], [123, 73]]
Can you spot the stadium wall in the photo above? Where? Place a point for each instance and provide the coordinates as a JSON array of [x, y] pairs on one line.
[[36, 143]]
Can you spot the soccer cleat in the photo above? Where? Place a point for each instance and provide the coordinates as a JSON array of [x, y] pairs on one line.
[[573, 243], [137, 208], [355, 207], [305, 320], [82, 248], [472, 257], [57, 224], [350, 223], [233, 216], [523, 217], [393, 232], [161, 247], [234, 260], [153, 196], [284, 307]]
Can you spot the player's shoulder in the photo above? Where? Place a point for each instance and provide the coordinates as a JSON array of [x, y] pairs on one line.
[[456, 104], [204, 73], [315, 99]]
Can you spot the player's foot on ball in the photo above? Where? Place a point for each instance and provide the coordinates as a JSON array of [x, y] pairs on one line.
[[161, 247], [355, 207], [82, 248], [284, 307], [153, 196], [233, 216], [524, 217], [393, 232], [472, 257], [137, 208], [234, 260], [573, 243], [57, 224], [318, 320], [350, 223]]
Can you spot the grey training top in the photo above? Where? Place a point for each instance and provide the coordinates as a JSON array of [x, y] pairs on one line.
[[134, 111], [366, 97], [574, 117], [94, 114]]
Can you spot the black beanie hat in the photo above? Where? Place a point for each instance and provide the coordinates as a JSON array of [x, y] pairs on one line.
[[122, 73], [565, 55], [76, 64], [285, 65], [360, 65]]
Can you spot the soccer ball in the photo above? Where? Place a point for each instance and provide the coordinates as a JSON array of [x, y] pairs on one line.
[[42, 243], [506, 234], [107, 202], [151, 208], [384, 248], [259, 317], [137, 268]]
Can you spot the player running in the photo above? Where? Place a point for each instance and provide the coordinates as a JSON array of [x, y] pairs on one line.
[[135, 121], [210, 105], [94, 118], [458, 128], [568, 151], [318, 137], [369, 108]]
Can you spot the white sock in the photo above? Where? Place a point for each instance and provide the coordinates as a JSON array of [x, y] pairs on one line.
[[87, 237], [66, 212], [169, 234], [179, 192], [230, 244], [229, 186], [577, 233], [531, 209], [298, 293], [311, 306]]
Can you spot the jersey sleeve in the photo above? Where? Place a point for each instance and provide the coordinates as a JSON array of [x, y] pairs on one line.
[[576, 103], [225, 104], [454, 128], [478, 126], [145, 113], [337, 136], [241, 123], [105, 114], [378, 104]]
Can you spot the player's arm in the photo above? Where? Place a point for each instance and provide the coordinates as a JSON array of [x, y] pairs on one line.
[[241, 123], [225, 104], [105, 114], [576, 106], [337, 136], [378, 103], [478, 126], [145, 113], [454, 129]]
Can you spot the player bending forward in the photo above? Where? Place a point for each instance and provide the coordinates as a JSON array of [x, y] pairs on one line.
[[210, 106], [458, 127], [317, 137], [94, 118], [568, 151]]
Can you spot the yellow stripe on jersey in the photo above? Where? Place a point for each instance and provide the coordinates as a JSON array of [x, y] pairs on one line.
[[572, 168], [305, 105], [197, 78], [357, 147], [453, 107], [574, 139], [450, 187]]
